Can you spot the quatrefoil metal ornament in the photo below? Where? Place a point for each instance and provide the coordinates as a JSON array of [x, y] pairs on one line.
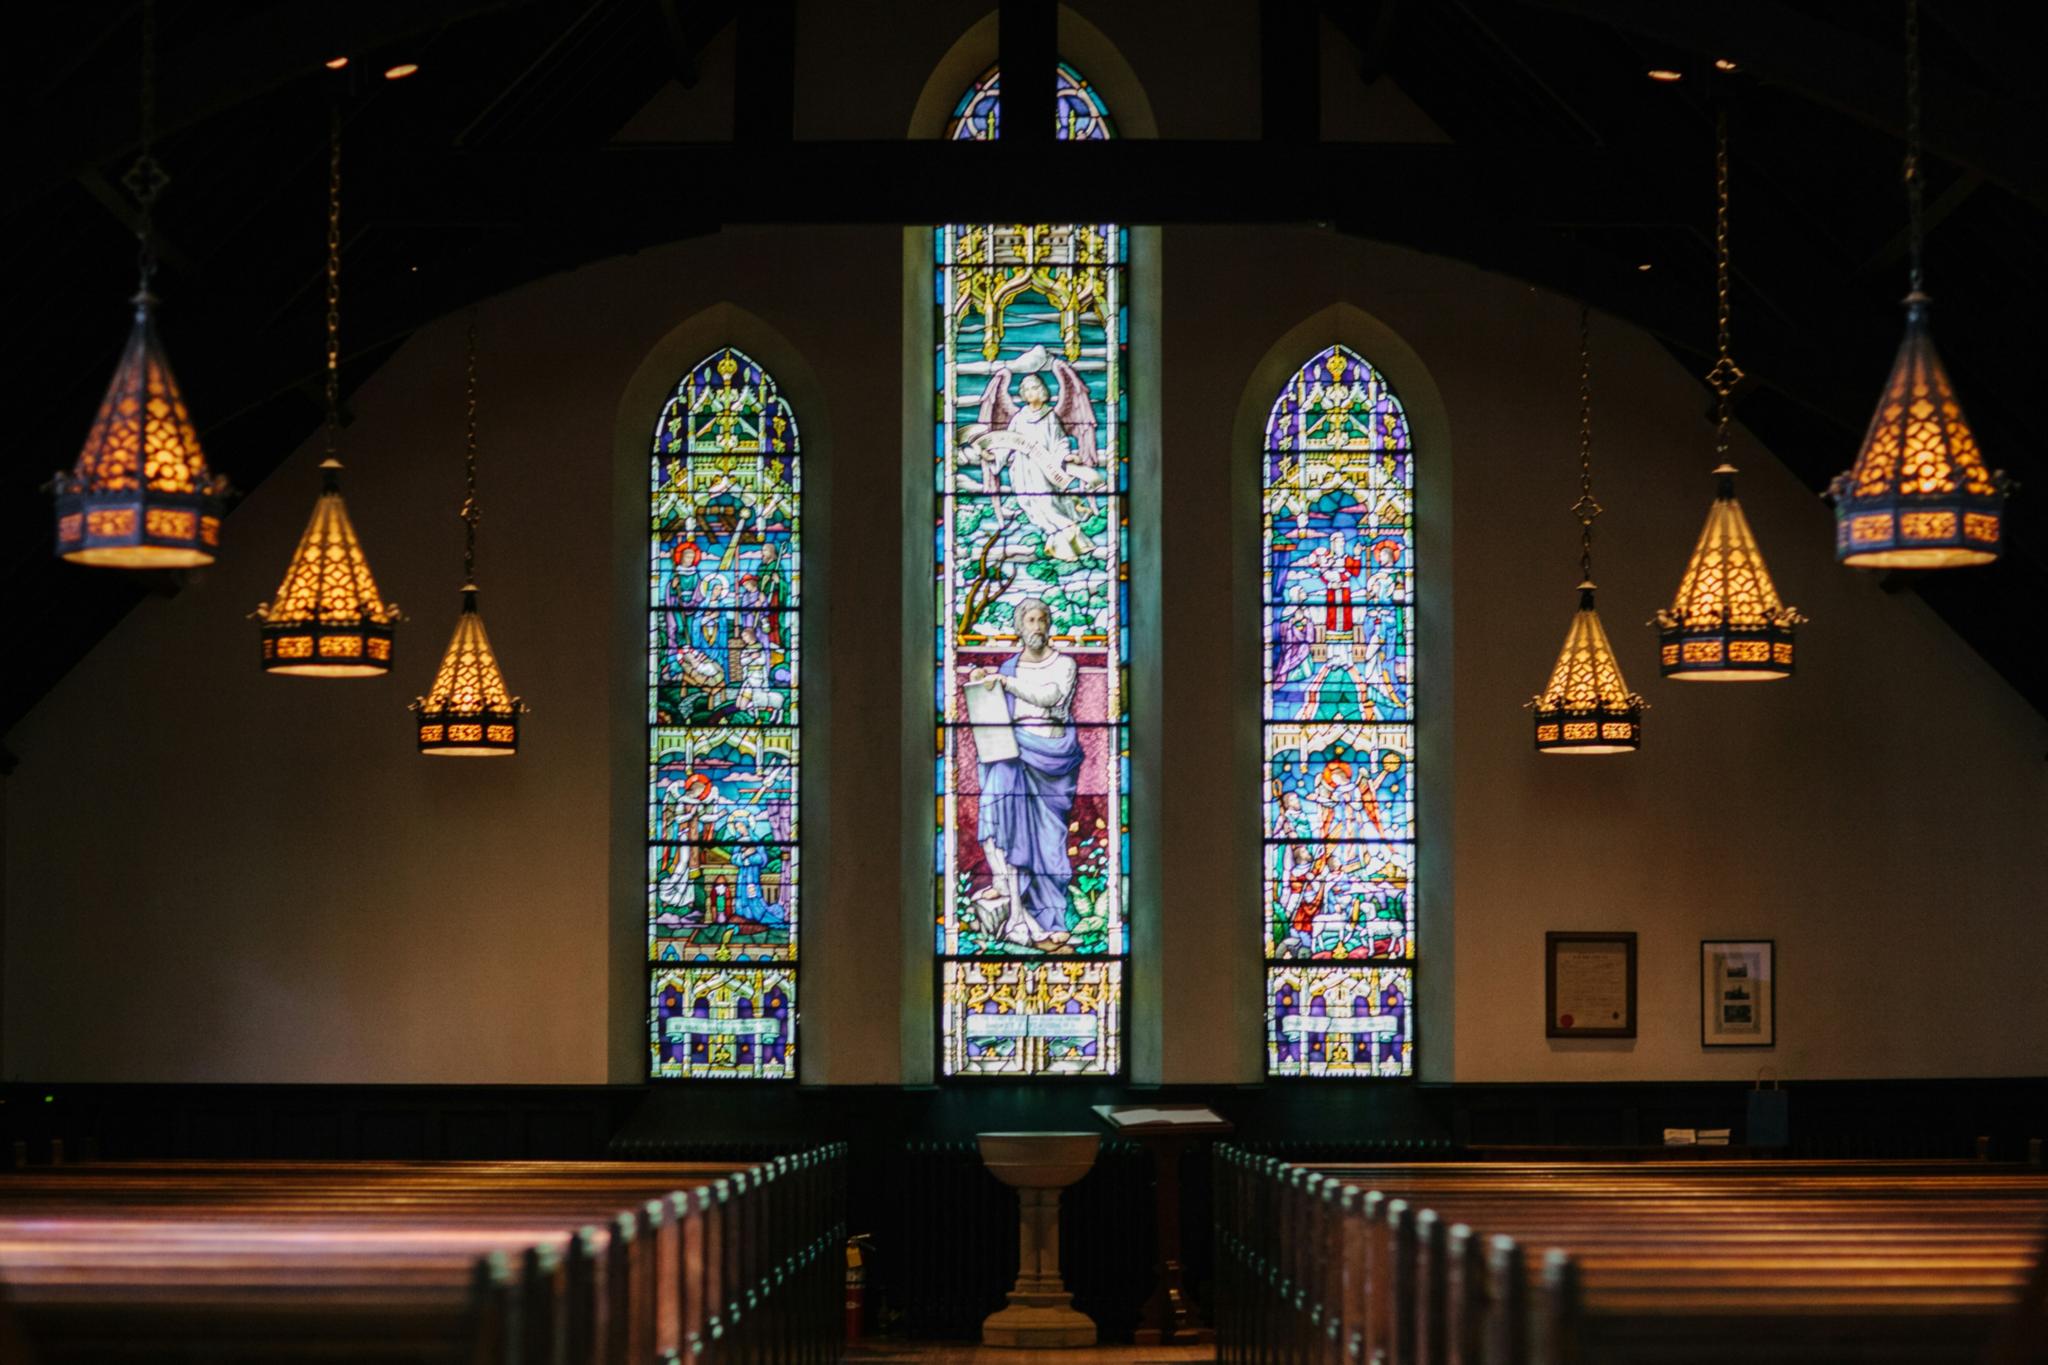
[[146, 179], [1725, 375]]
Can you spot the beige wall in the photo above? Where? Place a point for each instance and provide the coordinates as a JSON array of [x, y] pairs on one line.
[[214, 875]]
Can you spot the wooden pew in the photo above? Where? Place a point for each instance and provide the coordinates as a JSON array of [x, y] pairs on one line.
[[488, 1262], [1658, 1261]]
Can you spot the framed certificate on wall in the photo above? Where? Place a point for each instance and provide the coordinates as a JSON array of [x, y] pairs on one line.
[[1589, 985], [1738, 992]]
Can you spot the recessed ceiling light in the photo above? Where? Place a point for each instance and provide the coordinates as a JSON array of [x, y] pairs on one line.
[[401, 71], [336, 63], [1724, 64], [1664, 73], [1644, 266]]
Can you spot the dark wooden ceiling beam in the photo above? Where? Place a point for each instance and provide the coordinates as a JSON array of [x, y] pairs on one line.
[[1123, 180], [1290, 71], [1027, 52], [764, 73], [1945, 203]]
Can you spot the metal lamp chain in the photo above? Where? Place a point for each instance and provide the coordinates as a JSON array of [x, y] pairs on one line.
[[1915, 182], [470, 511], [1587, 507], [333, 277], [146, 178], [1726, 374]]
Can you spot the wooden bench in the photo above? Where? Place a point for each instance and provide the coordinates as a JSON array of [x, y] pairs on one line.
[[1563, 1262], [485, 1262]]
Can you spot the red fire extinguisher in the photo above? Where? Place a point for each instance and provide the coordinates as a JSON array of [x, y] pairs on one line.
[[856, 1285]]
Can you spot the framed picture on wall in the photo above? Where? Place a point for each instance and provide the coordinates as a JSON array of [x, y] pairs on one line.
[[1738, 992], [1589, 985]]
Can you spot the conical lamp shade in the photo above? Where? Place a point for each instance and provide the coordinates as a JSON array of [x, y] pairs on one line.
[[469, 712], [141, 495], [1587, 707], [328, 620], [1920, 495], [1727, 623]]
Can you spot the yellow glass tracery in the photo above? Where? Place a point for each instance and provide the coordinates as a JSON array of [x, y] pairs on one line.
[[469, 711], [328, 610], [1727, 613], [141, 476], [1920, 494], [1587, 707]]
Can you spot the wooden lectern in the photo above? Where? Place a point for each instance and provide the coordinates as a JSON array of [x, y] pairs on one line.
[[1165, 1130]]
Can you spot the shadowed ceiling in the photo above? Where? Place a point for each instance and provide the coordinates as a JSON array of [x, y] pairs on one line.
[[494, 166]]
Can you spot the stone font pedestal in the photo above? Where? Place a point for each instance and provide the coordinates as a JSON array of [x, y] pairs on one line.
[[1041, 1312]]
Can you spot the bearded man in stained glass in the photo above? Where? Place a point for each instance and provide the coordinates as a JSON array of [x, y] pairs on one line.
[[1027, 800]]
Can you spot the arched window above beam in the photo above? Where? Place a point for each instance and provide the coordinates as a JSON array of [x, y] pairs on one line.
[[1338, 769]]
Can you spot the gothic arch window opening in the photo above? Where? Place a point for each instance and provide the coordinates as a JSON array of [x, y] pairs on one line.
[[724, 629], [1337, 775], [1032, 653]]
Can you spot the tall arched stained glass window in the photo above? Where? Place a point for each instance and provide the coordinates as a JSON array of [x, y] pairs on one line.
[[1338, 917], [1032, 740], [723, 602]]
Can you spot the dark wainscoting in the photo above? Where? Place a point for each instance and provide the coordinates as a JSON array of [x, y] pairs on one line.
[[945, 1232]]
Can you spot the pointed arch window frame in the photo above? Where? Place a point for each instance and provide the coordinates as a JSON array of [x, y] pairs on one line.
[[1308, 842], [711, 428], [1105, 980]]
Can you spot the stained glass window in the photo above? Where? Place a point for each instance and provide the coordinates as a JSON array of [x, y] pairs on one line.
[[724, 593], [1032, 741], [1338, 798]]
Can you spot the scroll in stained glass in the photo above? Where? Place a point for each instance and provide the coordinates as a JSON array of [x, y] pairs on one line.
[[1032, 759], [724, 616], [1338, 912]]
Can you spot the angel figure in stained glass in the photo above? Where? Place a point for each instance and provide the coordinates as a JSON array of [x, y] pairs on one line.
[[1045, 444]]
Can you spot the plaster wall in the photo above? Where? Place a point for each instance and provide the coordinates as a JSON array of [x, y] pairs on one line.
[[215, 875], [211, 875]]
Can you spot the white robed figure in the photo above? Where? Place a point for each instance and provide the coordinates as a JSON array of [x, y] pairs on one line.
[[1027, 787], [1034, 437]]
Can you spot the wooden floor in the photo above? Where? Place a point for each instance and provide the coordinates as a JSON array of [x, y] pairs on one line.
[[963, 1353]]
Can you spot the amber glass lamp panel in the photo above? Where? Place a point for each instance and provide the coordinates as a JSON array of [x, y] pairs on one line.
[[469, 713], [140, 495], [1587, 708], [1920, 495]]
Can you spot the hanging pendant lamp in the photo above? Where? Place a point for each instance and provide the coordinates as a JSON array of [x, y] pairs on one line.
[[328, 620], [1727, 623], [469, 712], [141, 495], [1587, 708], [1920, 495]]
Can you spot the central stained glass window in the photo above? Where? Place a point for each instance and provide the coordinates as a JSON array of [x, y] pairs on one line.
[[723, 597], [1339, 779], [1032, 737]]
